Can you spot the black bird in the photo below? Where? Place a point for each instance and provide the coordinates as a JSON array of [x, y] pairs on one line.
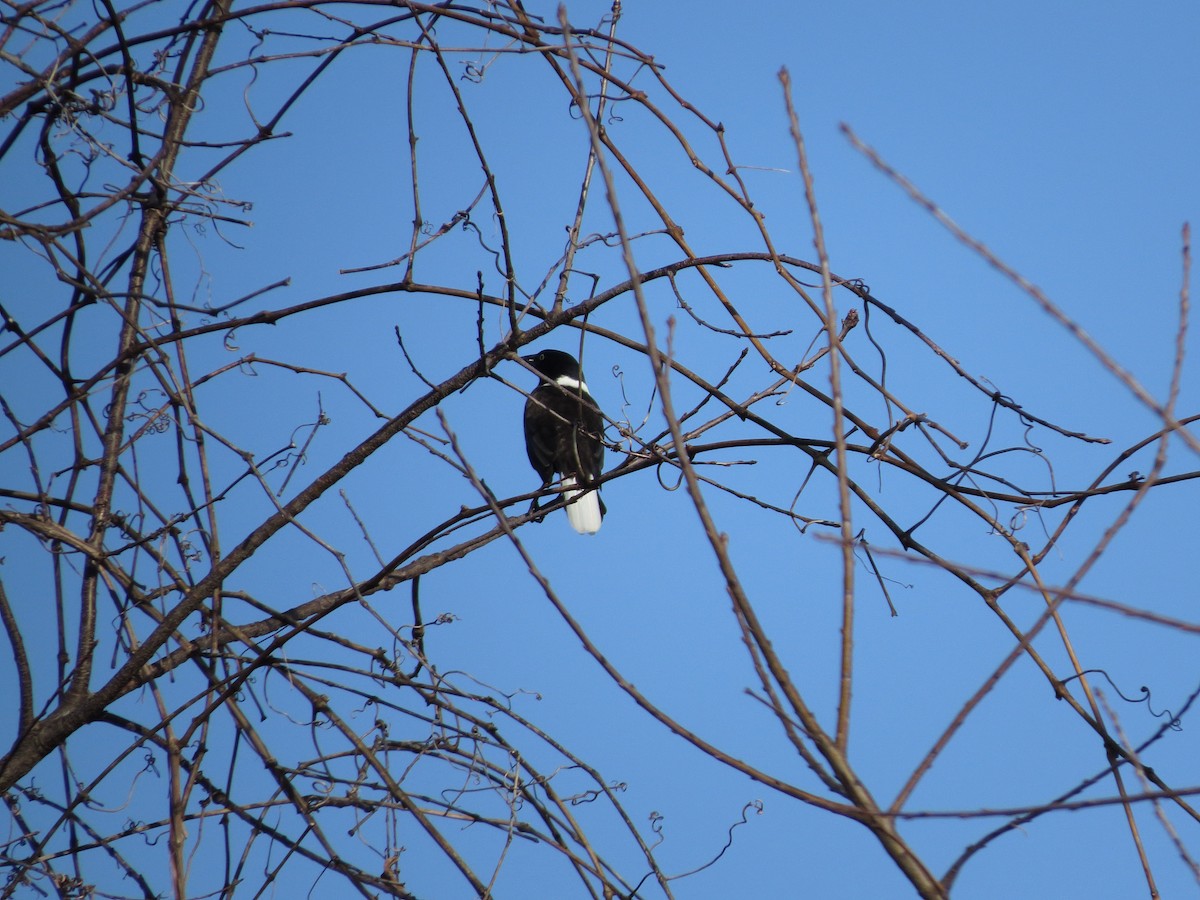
[[564, 431]]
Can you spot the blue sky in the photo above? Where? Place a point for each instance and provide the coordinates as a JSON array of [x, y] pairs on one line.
[[1063, 136]]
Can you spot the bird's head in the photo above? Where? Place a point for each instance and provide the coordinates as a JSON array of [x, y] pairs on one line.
[[555, 364]]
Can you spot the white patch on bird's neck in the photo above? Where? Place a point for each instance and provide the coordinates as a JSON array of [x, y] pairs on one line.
[[571, 384]]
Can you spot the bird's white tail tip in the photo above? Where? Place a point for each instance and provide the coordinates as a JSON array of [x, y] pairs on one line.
[[583, 513]]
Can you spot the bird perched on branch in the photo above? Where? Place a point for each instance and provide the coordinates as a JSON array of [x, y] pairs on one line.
[[564, 431]]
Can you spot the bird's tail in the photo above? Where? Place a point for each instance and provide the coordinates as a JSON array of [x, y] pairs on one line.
[[586, 513]]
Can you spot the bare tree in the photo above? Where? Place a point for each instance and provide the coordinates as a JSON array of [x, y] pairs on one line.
[[175, 473]]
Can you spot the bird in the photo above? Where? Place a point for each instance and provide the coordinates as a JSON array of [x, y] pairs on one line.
[[564, 434]]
